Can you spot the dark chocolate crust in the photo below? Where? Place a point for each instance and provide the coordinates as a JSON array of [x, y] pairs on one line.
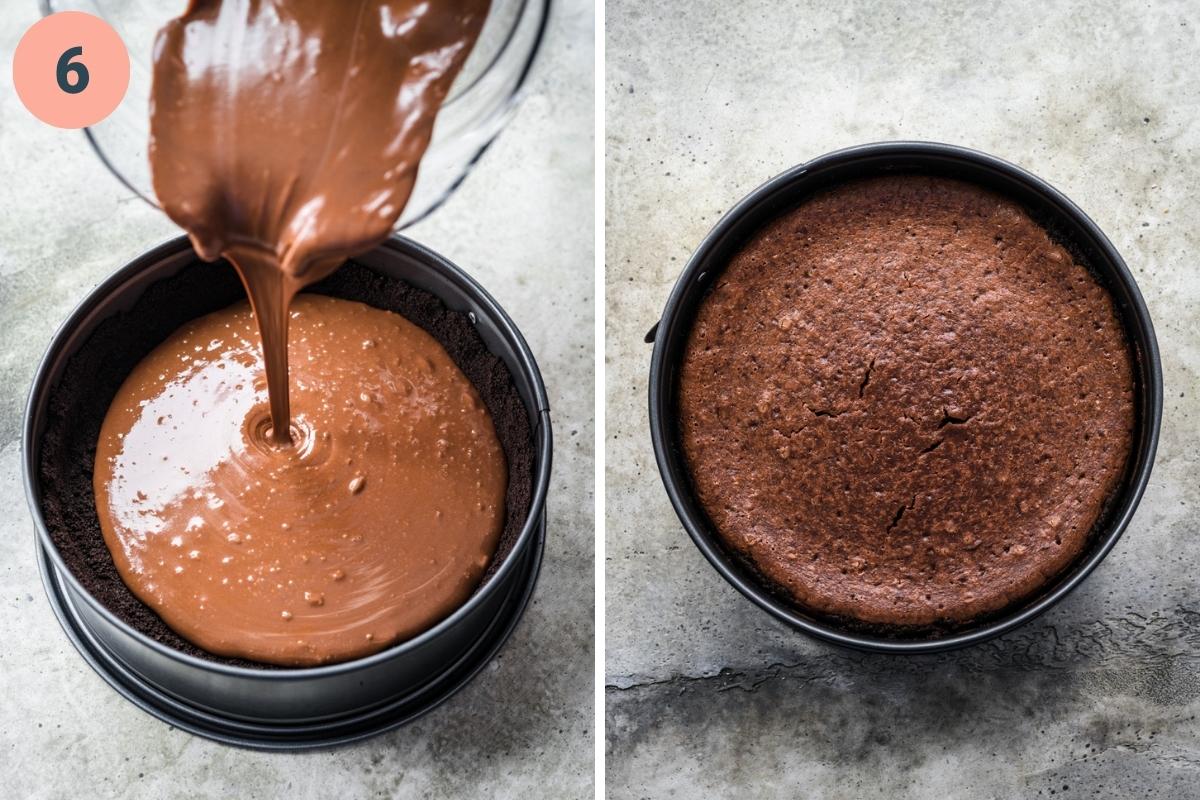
[[78, 403], [905, 404]]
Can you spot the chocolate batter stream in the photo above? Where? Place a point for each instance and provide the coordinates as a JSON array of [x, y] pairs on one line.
[[285, 136]]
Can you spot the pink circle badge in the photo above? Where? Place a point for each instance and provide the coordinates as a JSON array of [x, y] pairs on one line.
[[71, 69]]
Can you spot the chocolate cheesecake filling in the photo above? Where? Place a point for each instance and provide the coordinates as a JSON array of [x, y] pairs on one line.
[[375, 522], [78, 402]]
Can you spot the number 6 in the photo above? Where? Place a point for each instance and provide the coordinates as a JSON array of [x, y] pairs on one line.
[[65, 68]]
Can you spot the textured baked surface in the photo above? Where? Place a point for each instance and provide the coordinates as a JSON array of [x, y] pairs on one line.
[[905, 404], [92, 376]]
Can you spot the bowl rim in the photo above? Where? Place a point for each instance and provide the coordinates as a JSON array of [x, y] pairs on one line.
[[695, 521], [30, 449], [544, 7], [541, 8]]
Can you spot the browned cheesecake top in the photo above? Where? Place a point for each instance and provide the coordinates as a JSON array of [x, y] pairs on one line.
[[905, 403]]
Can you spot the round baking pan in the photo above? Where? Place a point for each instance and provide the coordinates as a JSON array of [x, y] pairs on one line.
[[282, 708], [1066, 223], [343, 730]]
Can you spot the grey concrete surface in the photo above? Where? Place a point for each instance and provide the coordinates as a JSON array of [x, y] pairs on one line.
[[523, 224], [707, 696]]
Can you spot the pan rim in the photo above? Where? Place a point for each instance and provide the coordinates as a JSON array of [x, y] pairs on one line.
[[30, 452]]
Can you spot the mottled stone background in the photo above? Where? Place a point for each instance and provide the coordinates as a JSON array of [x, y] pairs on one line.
[[707, 696], [522, 223]]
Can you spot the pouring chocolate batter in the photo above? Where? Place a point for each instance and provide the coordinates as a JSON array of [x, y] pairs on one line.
[[285, 136]]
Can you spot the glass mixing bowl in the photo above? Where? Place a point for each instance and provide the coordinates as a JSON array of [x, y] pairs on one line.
[[481, 101]]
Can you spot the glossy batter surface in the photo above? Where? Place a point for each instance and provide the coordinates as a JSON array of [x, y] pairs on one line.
[[376, 522]]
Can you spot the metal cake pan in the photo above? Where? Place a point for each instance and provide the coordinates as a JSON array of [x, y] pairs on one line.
[[1067, 224], [282, 708]]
